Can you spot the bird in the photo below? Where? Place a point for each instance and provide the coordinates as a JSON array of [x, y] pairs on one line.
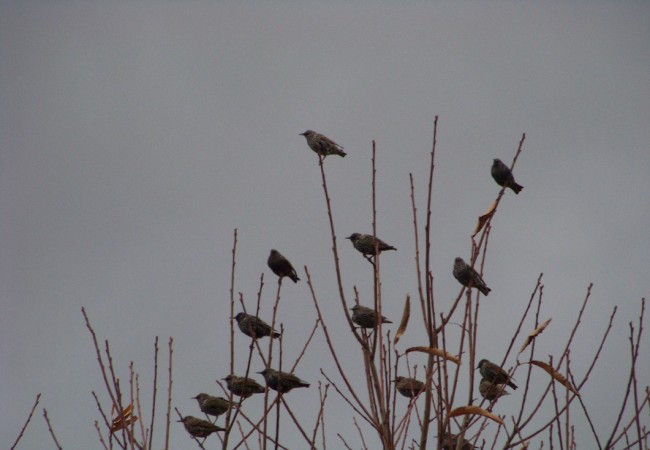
[[469, 277], [199, 427], [367, 244], [214, 406], [503, 176], [243, 387], [281, 266], [491, 391], [366, 317], [254, 327], [450, 442], [322, 145], [282, 381], [408, 387], [494, 373]]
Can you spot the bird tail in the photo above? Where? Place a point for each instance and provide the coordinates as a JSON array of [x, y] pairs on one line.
[[275, 334], [485, 291], [512, 385], [294, 277], [516, 187], [341, 153]]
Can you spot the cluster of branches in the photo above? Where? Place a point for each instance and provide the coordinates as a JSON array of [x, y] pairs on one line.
[[454, 415]]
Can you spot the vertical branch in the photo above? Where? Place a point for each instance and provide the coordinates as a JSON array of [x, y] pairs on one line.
[[429, 291], [169, 393], [155, 391], [49, 427]]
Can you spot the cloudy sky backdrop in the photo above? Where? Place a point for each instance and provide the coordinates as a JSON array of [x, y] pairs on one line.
[[135, 137]]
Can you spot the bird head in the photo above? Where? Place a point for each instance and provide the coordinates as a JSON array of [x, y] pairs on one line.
[[353, 237], [481, 363]]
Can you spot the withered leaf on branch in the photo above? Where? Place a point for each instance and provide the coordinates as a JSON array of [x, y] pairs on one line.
[[482, 220], [405, 319], [464, 410], [534, 334], [436, 352], [118, 424], [557, 376]]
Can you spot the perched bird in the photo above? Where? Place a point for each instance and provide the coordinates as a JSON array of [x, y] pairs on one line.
[[322, 145], [408, 387], [254, 327], [494, 373], [367, 243], [198, 427], [215, 406], [503, 176], [469, 277], [366, 317], [244, 387], [282, 381], [281, 266], [491, 391], [450, 442]]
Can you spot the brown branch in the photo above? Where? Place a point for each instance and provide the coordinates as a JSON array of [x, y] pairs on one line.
[[31, 413]]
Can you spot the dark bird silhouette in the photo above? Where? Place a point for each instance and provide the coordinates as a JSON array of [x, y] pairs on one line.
[[366, 317], [450, 442], [503, 176], [491, 391], [198, 427], [469, 277], [254, 327], [494, 373], [408, 387], [366, 244], [322, 145], [243, 387], [282, 381], [281, 266], [214, 406]]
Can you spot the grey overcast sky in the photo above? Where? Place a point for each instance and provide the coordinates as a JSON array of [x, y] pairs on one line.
[[135, 137]]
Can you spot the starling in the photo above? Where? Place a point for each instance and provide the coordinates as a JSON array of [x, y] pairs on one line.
[[469, 277], [366, 244], [409, 387], [243, 387], [322, 145], [282, 381], [366, 317], [254, 327], [450, 442], [503, 176], [491, 391], [215, 406], [494, 373], [199, 428], [281, 266]]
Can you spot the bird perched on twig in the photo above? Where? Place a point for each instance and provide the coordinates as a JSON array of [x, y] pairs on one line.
[[243, 387], [322, 145], [198, 427], [469, 277], [366, 317], [368, 245], [254, 327], [408, 387], [503, 176], [281, 266], [450, 442], [491, 391], [282, 381], [494, 373], [214, 406]]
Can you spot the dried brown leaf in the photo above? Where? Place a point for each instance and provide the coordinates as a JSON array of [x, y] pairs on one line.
[[118, 424], [482, 220], [436, 352], [557, 376], [464, 410], [534, 334], [405, 319]]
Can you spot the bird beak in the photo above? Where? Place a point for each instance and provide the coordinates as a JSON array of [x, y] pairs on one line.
[[349, 237], [301, 134]]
